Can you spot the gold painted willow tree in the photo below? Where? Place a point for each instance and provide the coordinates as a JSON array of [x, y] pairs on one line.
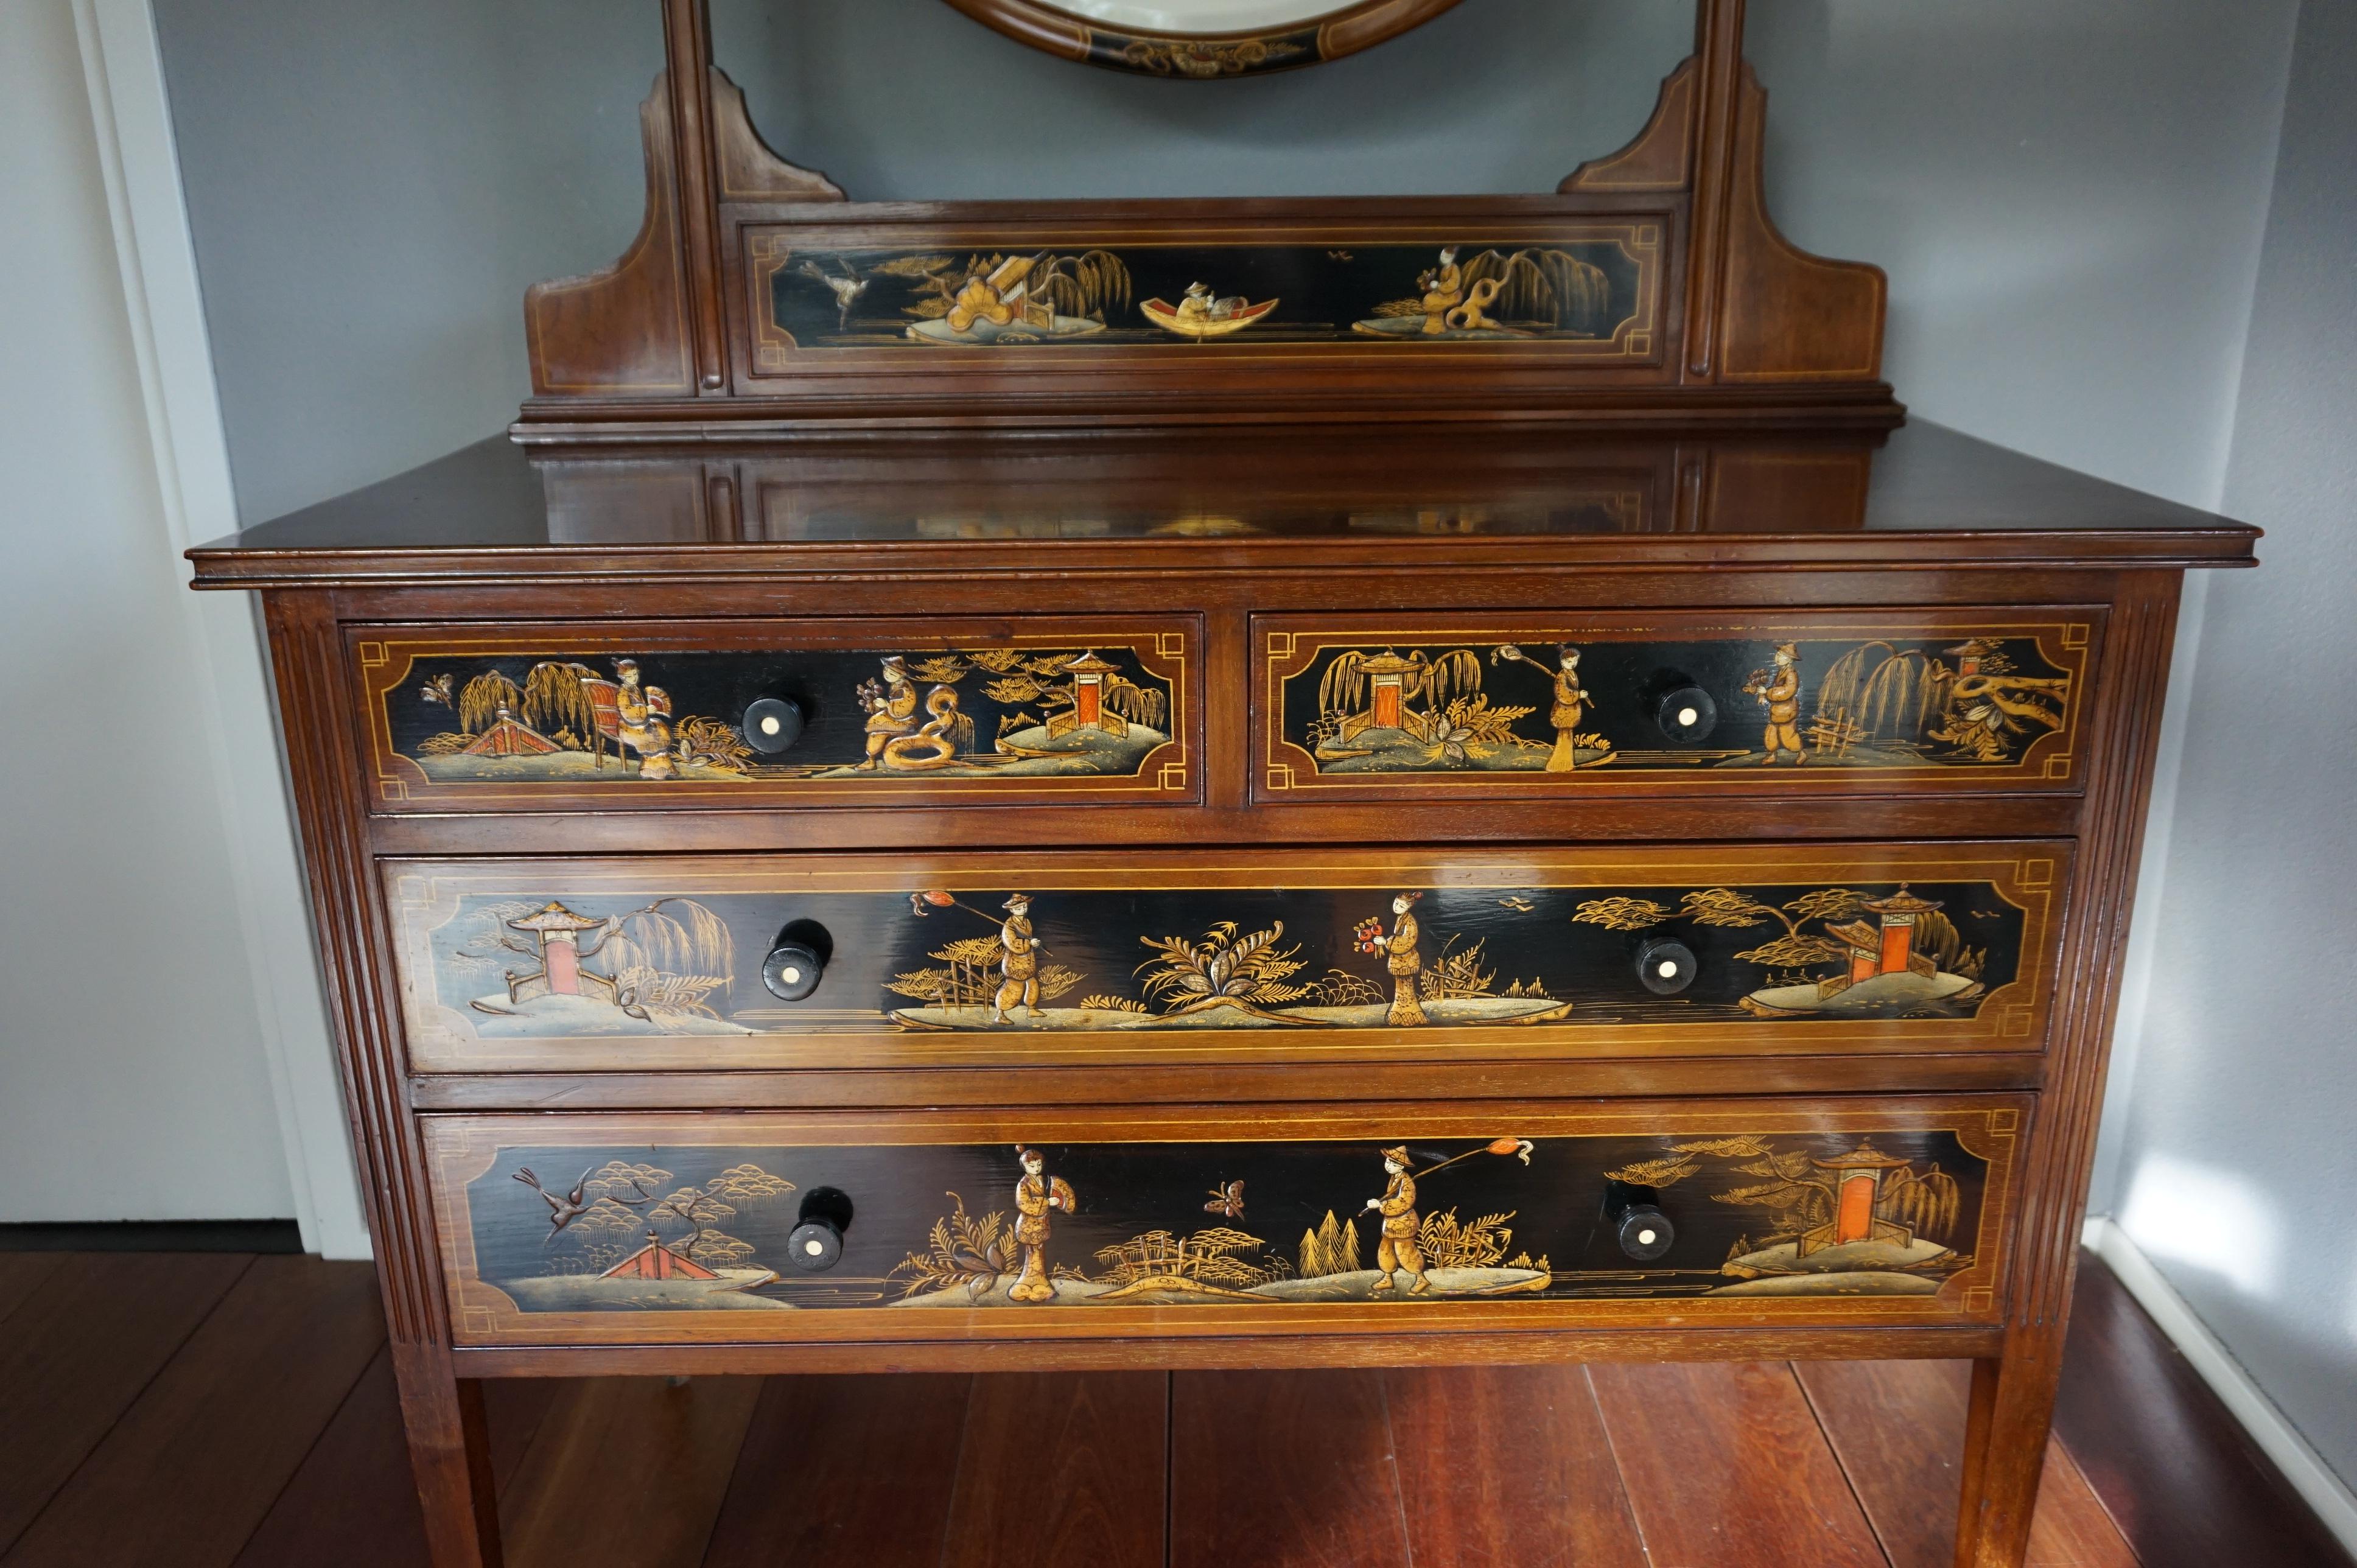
[[1047, 680], [1427, 686], [1538, 287], [1093, 285], [1803, 1192], [556, 702]]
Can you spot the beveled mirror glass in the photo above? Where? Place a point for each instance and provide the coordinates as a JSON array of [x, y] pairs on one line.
[[1201, 40]]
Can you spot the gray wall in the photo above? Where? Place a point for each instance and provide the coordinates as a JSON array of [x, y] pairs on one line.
[[134, 1083], [2235, 1158], [2068, 193]]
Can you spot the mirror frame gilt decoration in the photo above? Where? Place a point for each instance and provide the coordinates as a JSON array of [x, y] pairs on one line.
[[1648, 289], [1330, 32]]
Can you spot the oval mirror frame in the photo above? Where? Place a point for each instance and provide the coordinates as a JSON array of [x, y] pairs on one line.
[[1325, 30]]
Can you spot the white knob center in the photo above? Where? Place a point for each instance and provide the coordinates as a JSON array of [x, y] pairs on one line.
[[791, 975], [1689, 715], [1644, 1238], [815, 1247], [769, 725], [1667, 969]]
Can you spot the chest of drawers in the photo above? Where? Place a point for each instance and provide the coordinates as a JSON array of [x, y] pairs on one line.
[[1110, 903]]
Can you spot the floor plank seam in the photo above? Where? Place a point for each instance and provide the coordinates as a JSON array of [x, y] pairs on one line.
[[65, 1483], [1169, 1468], [1841, 1463], [8, 1315], [720, 1505], [1604, 1424], [2103, 1503], [263, 1519], [957, 1470], [1399, 1490]]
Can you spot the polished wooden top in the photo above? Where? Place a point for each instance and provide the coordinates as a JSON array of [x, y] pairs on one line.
[[1224, 499]]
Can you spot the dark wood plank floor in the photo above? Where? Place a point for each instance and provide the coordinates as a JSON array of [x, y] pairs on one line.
[[233, 1410]]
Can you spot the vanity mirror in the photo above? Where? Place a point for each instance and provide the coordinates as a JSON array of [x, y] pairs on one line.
[[1202, 39]]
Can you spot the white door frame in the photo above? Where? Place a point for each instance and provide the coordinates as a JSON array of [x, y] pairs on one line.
[[131, 113]]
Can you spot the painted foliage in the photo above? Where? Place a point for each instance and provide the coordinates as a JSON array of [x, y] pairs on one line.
[[1589, 288], [1351, 708], [1143, 959], [1894, 1211], [859, 716]]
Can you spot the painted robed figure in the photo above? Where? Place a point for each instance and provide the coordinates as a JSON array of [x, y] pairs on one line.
[[1403, 962], [1035, 1195]]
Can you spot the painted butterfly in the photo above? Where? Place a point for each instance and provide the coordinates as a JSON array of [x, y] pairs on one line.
[[1227, 1201]]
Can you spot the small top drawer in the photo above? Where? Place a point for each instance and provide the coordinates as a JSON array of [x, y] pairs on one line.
[[1526, 707], [771, 713]]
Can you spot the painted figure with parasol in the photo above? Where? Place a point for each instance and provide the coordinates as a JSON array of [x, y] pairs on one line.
[[1035, 1193]]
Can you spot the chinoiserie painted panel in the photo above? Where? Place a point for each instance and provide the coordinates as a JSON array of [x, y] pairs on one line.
[[1074, 957], [1559, 287], [1757, 701], [772, 712], [835, 1226]]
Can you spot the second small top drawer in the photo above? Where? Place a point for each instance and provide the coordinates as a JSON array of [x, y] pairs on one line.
[[1534, 705], [766, 712]]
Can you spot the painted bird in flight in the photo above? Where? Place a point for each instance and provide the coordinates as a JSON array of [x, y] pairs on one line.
[[562, 1212], [846, 289]]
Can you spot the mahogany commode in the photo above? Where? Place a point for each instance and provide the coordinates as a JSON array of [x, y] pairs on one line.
[[543, 959], [1254, 856]]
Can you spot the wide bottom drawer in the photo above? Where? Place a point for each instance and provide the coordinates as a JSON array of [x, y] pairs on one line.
[[836, 1227]]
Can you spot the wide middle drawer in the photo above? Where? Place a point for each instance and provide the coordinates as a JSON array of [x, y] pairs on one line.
[[1079, 957]]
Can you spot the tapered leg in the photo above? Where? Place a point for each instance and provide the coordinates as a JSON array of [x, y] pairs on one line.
[[450, 1452], [2005, 1452]]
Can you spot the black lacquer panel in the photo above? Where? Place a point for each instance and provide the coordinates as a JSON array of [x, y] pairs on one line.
[[1584, 706], [1583, 285], [1910, 942], [809, 713], [1798, 1207]]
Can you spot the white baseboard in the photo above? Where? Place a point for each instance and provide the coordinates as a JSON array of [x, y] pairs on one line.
[[2276, 1437]]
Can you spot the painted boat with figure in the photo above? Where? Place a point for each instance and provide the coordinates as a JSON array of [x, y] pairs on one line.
[[1167, 315]]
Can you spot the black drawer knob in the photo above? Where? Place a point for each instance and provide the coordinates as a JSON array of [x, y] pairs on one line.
[[797, 961], [1664, 967], [816, 1244], [1686, 714], [772, 724], [815, 1247], [1646, 1233], [1634, 1213]]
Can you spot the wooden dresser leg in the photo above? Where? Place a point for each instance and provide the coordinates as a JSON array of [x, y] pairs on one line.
[[2005, 1453], [450, 1453]]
